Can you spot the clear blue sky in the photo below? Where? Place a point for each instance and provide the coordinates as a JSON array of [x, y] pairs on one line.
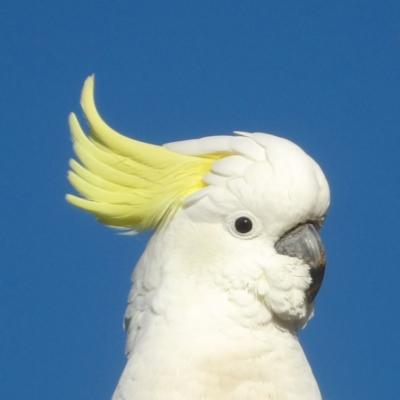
[[324, 74]]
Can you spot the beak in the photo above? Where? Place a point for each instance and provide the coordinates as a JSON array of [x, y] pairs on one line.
[[305, 243]]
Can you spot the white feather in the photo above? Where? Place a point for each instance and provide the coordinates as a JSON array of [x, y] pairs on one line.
[[206, 145], [212, 316]]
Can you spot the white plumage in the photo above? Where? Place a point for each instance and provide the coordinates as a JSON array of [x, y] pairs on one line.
[[214, 309]]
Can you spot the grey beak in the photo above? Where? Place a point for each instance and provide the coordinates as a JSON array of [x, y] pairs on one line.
[[305, 243]]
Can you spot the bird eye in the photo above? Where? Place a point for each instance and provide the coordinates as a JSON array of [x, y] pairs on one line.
[[243, 225]]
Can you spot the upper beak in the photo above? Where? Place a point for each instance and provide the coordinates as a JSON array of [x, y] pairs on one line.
[[305, 243]]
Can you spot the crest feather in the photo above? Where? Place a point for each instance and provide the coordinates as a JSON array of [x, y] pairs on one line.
[[127, 183]]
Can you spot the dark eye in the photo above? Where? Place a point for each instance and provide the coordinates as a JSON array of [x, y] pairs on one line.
[[243, 225]]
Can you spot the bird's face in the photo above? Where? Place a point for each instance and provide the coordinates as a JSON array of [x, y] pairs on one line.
[[259, 234], [237, 254], [249, 226]]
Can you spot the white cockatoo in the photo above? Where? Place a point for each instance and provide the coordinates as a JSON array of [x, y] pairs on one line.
[[233, 267]]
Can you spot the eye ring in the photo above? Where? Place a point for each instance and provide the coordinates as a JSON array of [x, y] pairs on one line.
[[243, 225]]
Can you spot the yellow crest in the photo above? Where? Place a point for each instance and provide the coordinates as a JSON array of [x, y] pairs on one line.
[[127, 183]]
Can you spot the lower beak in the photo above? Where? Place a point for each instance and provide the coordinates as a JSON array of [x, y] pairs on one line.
[[305, 243]]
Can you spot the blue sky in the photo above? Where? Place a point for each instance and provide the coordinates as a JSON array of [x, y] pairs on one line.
[[324, 74]]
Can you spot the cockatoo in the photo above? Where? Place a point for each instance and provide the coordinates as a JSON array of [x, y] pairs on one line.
[[232, 269]]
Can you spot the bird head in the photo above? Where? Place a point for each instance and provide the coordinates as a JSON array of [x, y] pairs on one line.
[[242, 212]]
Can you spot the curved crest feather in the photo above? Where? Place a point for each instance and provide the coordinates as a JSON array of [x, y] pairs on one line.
[[127, 183]]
